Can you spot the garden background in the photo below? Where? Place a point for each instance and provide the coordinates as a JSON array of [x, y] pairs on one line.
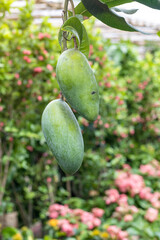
[[116, 192]]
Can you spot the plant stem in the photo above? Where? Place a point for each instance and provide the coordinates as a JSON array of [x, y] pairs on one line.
[[65, 19], [74, 38], [72, 4]]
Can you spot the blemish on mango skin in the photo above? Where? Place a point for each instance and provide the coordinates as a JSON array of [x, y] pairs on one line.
[[78, 84], [63, 135]]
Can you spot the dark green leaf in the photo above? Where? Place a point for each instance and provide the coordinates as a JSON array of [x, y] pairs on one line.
[[150, 3], [84, 47], [126, 11], [80, 9], [107, 16], [114, 3]]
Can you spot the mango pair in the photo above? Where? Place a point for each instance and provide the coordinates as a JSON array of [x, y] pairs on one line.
[[60, 127]]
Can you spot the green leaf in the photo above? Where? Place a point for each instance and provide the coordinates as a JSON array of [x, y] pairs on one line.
[[74, 26], [158, 33], [9, 232], [107, 16], [80, 9], [130, 11], [84, 47], [73, 31], [114, 3], [150, 3]]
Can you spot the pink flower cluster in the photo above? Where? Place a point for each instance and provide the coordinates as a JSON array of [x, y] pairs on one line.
[[43, 35], [67, 227], [123, 211], [128, 182], [134, 183], [116, 233], [151, 169], [151, 214], [153, 198], [90, 219], [27, 59]]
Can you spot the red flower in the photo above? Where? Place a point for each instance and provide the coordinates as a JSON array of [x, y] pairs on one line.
[[38, 69]]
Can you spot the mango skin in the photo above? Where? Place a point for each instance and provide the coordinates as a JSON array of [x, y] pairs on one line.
[[63, 135], [78, 84]]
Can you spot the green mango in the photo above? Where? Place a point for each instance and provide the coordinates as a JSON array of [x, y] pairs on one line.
[[63, 135], [78, 84]]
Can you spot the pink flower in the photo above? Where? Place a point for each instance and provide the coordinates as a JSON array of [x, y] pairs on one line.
[[133, 209], [53, 74], [10, 139], [40, 35], [47, 35], [113, 231], [49, 67], [62, 222], [16, 75], [68, 229], [49, 161], [128, 218], [132, 132], [108, 84], [113, 196], [39, 98], [19, 82], [41, 58], [45, 52], [120, 102], [49, 180], [38, 69], [145, 193], [27, 52], [106, 125], [53, 214], [151, 214], [27, 59], [149, 169], [55, 207], [98, 212], [1, 108], [126, 166], [96, 222], [30, 81], [29, 148], [124, 135], [122, 234], [1, 124], [78, 212], [139, 96], [10, 62], [123, 199]]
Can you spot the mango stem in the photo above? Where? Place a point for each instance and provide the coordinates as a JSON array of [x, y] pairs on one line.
[[65, 19], [73, 10]]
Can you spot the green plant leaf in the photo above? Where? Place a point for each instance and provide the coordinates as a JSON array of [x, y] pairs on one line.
[[80, 9], [150, 3], [84, 47], [158, 33], [126, 11], [107, 16], [74, 26], [9, 232], [114, 3]]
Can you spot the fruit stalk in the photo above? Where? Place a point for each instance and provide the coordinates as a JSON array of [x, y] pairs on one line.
[[74, 38], [65, 19]]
